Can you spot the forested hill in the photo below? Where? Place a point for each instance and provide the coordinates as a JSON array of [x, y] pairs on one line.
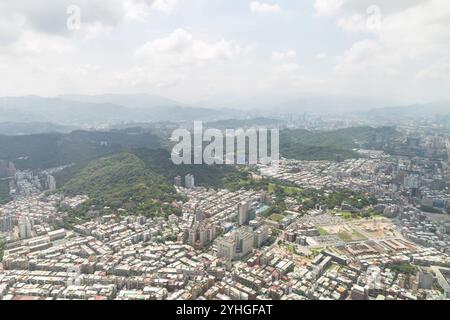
[[123, 181], [332, 145], [42, 151]]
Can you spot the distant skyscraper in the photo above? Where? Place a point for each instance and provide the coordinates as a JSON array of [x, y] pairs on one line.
[[177, 181], [7, 169], [51, 183], [189, 181]]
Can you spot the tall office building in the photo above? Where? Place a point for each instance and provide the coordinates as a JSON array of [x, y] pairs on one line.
[[237, 244], [226, 248], [243, 213], [261, 235], [201, 234], [245, 240]]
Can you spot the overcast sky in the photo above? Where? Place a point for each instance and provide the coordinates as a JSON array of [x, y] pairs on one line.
[[397, 50]]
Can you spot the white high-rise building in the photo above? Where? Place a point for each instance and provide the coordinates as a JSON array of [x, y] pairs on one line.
[[24, 228], [189, 181], [51, 183]]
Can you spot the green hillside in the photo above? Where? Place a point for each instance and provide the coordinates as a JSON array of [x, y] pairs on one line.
[[205, 175], [42, 151], [123, 181], [332, 145]]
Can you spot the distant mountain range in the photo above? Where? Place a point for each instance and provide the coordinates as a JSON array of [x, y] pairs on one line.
[[27, 128], [69, 112], [106, 109], [411, 111], [131, 101], [270, 104]]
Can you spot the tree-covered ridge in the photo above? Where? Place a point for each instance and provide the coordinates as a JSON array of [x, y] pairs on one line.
[[123, 181], [205, 175], [332, 145], [42, 151]]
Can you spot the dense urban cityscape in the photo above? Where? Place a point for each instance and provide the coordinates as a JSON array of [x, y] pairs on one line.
[[224, 158], [372, 227]]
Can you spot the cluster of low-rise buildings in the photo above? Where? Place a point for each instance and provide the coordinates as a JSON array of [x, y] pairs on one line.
[[224, 247]]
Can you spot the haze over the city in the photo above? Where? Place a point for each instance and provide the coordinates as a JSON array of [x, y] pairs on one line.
[[237, 54]]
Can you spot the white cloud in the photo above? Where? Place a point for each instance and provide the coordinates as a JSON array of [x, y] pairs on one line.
[[438, 71], [180, 59], [353, 23], [264, 8], [53, 19], [400, 59], [180, 48], [287, 68], [95, 16], [334, 7], [406, 56], [327, 7], [281, 56], [166, 6], [11, 28], [140, 9]]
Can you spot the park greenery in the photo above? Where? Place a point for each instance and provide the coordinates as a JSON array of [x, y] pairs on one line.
[[308, 198], [404, 268]]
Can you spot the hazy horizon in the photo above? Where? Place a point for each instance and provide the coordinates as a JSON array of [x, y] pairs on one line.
[[212, 53]]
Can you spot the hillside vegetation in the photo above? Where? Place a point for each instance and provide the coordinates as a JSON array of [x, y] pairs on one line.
[[332, 145], [205, 175], [123, 181], [42, 151]]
